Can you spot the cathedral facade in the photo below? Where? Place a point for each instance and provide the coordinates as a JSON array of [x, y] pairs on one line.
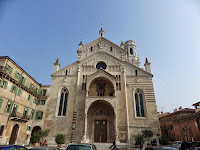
[[104, 95]]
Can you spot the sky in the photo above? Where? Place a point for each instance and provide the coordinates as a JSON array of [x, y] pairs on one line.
[[34, 33]]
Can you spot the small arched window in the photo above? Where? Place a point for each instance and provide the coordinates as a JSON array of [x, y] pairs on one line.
[[63, 103], [131, 51], [139, 104]]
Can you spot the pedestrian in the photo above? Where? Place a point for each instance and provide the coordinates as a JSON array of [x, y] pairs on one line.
[[184, 145], [141, 145], [45, 143], [193, 147], [113, 145]]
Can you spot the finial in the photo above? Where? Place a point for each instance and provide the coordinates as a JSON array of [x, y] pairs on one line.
[[81, 43], [147, 60], [122, 42], [57, 61]]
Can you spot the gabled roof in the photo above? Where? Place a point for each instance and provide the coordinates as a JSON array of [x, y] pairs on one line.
[[100, 39], [100, 70]]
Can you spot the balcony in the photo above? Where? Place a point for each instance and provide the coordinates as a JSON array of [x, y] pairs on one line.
[[19, 117]]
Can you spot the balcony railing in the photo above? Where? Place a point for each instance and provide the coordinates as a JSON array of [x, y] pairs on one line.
[[19, 117]]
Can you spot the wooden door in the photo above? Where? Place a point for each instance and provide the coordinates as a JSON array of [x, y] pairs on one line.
[[14, 133], [100, 131]]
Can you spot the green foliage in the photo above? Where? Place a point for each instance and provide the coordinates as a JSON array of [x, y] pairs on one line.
[[163, 140], [35, 138], [44, 133], [60, 139], [139, 139], [146, 133]]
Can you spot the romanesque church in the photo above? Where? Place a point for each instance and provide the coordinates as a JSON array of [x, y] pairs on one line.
[[104, 95]]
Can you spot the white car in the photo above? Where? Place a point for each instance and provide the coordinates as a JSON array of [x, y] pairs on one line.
[[81, 147], [177, 144]]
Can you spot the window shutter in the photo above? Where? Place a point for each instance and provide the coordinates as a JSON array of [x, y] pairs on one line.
[[11, 88], [30, 85], [27, 111], [16, 75], [23, 81], [32, 115], [1, 83], [41, 115], [1, 102], [36, 116], [20, 92], [29, 97], [10, 107], [6, 84], [11, 70], [16, 109], [16, 90]]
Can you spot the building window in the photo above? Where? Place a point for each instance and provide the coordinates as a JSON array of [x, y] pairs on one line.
[[22, 79], [101, 65], [13, 89], [139, 104], [9, 107], [31, 86], [8, 69], [42, 102], [25, 114], [32, 114], [17, 75], [3, 84], [131, 51], [14, 110], [111, 49], [66, 72], [44, 92], [29, 128], [39, 115], [63, 103], [91, 49], [136, 72], [1, 129]]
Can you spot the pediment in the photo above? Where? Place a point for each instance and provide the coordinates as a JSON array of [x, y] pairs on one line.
[[100, 73]]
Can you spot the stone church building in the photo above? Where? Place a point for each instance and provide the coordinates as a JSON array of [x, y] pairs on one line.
[[104, 95]]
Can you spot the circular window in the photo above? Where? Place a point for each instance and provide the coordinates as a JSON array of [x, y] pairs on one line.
[[101, 65]]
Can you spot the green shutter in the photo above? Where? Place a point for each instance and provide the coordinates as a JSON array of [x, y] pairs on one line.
[[23, 81], [11, 70], [11, 88], [1, 83], [29, 97], [16, 90], [32, 114], [19, 92], [1, 102], [36, 117], [30, 85], [41, 115], [6, 84], [16, 75], [10, 107]]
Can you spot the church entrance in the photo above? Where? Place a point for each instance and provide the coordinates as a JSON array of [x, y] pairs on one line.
[[100, 122], [14, 133], [100, 131]]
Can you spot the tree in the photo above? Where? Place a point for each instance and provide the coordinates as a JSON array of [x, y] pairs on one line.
[[35, 138], [146, 133], [163, 140], [44, 133], [60, 139], [139, 139]]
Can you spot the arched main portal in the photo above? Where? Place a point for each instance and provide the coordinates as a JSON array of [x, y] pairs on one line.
[[14, 133], [35, 129], [100, 123]]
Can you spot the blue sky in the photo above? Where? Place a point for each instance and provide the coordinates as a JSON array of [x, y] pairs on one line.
[[34, 33]]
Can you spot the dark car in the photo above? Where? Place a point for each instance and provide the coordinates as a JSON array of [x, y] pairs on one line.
[[159, 148], [12, 147], [81, 147], [44, 148]]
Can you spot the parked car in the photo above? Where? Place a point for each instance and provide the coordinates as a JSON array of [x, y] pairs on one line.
[[12, 147], [159, 148], [177, 144], [44, 148], [81, 147]]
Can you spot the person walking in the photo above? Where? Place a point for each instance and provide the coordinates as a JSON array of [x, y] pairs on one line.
[[113, 145]]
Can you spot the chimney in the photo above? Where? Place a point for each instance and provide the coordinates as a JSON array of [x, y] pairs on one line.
[[56, 66], [147, 65], [180, 108], [122, 45], [175, 110]]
